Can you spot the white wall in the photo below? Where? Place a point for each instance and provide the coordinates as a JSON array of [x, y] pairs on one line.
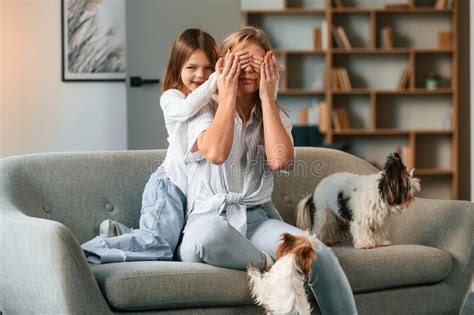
[[39, 112]]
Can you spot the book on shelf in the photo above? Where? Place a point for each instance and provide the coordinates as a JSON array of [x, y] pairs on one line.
[[303, 116], [337, 38], [327, 83], [324, 119], [324, 35], [445, 39], [318, 82], [444, 4], [317, 40], [448, 119], [335, 122], [404, 78], [344, 119], [387, 37], [340, 79], [314, 114], [345, 39], [308, 116], [441, 4], [334, 81], [340, 119], [345, 79]]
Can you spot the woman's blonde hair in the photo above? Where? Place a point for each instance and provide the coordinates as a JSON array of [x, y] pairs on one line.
[[191, 40], [238, 38], [248, 33]]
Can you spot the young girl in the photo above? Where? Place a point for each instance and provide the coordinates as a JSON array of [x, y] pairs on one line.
[[189, 84], [232, 149]]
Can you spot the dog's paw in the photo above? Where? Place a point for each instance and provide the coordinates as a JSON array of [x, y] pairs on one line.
[[364, 245], [384, 243]]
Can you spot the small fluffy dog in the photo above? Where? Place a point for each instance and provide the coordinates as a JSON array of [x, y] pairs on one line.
[[358, 203], [281, 290]]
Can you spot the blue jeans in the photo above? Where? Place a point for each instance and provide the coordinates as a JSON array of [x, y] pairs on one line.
[[161, 223], [214, 241]]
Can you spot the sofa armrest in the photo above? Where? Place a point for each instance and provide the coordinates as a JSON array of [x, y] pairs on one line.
[[444, 224], [43, 268]]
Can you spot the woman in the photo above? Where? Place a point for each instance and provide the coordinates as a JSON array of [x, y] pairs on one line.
[[233, 149]]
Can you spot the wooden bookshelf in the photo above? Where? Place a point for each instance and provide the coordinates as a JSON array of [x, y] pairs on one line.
[[433, 171], [284, 11], [408, 91], [301, 91], [384, 115], [428, 10], [384, 51], [299, 51]]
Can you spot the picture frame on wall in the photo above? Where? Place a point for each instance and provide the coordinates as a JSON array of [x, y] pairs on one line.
[[93, 40]]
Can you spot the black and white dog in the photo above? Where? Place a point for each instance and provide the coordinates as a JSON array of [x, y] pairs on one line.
[[360, 203]]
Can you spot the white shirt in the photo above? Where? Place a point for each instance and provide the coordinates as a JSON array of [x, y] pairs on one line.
[[209, 191], [177, 110]]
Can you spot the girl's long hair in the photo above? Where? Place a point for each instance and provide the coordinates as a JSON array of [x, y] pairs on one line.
[[191, 40], [238, 38]]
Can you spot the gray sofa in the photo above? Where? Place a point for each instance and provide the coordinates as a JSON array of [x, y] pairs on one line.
[[50, 203]]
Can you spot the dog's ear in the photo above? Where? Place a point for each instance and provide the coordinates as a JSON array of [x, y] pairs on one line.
[[287, 242], [415, 184], [388, 188], [394, 181], [412, 171], [395, 155], [288, 238], [394, 166], [305, 257]]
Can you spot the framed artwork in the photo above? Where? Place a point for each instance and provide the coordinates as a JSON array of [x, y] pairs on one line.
[[93, 40]]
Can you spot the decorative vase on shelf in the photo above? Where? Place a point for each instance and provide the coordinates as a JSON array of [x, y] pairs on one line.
[[432, 79], [431, 84]]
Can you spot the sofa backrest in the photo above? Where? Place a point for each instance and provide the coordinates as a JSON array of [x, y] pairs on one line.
[[80, 189]]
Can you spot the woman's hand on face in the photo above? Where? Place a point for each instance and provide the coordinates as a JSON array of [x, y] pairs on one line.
[[269, 74], [227, 72]]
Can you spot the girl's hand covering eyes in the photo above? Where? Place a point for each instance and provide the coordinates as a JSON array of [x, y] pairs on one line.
[[257, 62], [227, 72], [245, 59]]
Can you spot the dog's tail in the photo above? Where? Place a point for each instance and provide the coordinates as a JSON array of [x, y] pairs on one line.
[[305, 213]]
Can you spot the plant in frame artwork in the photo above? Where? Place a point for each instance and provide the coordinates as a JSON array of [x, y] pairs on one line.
[[93, 40]]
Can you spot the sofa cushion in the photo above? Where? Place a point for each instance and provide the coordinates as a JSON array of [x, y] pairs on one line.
[[161, 285], [148, 285], [393, 266]]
